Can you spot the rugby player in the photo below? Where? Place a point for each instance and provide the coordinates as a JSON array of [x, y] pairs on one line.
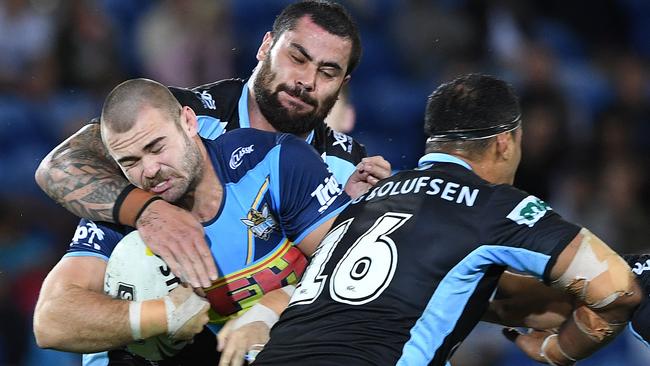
[[303, 62], [522, 301], [409, 268], [253, 197]]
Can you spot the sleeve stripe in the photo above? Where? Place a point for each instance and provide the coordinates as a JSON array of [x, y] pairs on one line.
[[86, 254]]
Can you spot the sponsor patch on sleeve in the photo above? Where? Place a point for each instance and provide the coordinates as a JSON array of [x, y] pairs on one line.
[[529, 211]]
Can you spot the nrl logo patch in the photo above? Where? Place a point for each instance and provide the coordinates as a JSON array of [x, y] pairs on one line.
[[529, 211], [261, 224]]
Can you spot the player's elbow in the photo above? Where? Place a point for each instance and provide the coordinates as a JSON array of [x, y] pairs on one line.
[[627, 299], [47, 331], [42, 333], [42, 173]]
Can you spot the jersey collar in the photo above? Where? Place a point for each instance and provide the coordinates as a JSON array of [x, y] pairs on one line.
[[429, 159], [242, 107], [244, 120]]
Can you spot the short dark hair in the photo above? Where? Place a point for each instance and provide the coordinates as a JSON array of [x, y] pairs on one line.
[[332, 17], [125, 101], [469, 103]]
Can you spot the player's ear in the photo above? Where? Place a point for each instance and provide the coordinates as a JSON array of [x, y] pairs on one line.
[[189, 121], [265, 47], [504, 144]]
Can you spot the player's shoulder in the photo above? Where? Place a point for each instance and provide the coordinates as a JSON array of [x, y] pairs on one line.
[[334, 143], [518, 205], [241, 150], [96, 238], [216, 98]]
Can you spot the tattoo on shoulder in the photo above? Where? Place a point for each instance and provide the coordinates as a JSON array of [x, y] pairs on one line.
[[82, 177]]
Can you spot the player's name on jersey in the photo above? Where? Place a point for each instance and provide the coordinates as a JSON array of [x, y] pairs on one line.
[[449, 191]]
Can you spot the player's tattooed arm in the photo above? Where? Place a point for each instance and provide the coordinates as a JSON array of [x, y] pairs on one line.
[[81, 176]]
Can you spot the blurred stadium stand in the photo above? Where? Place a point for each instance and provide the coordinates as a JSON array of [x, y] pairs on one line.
[[581, 68]]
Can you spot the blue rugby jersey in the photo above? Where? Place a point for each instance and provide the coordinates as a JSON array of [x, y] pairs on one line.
[[276, 191]]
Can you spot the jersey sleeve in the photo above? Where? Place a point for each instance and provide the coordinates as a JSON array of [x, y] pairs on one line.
[[309, 194], [640, 322], [95, 239], [531, 234]]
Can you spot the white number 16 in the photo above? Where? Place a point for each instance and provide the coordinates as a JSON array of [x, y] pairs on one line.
[[363, 272]]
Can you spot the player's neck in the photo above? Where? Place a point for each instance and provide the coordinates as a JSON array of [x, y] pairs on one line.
[[207, 195], [255, 116], [490, 171]]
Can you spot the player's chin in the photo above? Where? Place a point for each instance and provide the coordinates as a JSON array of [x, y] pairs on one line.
[[173, 194]]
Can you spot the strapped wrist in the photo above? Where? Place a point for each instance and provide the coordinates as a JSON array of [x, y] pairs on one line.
[[129, 205], [553, 353], [148, 318], [258, 312]]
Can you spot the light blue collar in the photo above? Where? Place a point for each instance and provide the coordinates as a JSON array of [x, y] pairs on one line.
[[310, 137], [429, 159], [244, 120]]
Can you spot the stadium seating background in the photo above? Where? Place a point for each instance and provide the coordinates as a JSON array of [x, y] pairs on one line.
[[581, 68]]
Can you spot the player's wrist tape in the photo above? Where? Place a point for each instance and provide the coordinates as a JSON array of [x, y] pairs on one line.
[[134, 320], [154, 317], [258, 312], [129, 205], [551, 349], [147, 318], [178, 316]]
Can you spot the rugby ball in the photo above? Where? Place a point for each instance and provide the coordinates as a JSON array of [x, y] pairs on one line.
[[134, 273]]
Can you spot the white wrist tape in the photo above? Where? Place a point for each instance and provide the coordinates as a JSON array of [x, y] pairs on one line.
[[134, 319], [542, 349], [178, 316], [258, 312]]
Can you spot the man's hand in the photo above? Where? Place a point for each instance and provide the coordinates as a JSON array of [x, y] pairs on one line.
[[235, 343], [176, 236], [368, 172]]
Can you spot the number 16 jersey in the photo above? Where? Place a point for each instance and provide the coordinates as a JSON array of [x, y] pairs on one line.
[[408, 269]]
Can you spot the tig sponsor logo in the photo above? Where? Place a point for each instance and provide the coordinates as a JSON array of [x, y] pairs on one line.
[[238, 154], [327, 192], [529, 211]]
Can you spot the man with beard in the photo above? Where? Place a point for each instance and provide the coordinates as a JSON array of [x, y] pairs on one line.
[[256, 201], [303, 63]]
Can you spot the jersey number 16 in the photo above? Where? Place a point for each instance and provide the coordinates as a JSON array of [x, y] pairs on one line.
[[362, 273]]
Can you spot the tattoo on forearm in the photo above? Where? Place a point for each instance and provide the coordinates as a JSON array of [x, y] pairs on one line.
[[82, 177]]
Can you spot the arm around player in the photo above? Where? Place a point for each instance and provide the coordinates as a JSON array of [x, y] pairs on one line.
[[606, 293], [73, 313]]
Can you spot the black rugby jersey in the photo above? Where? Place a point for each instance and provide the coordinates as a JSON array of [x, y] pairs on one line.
[[640, 322], [223, 106], [408, 269]]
